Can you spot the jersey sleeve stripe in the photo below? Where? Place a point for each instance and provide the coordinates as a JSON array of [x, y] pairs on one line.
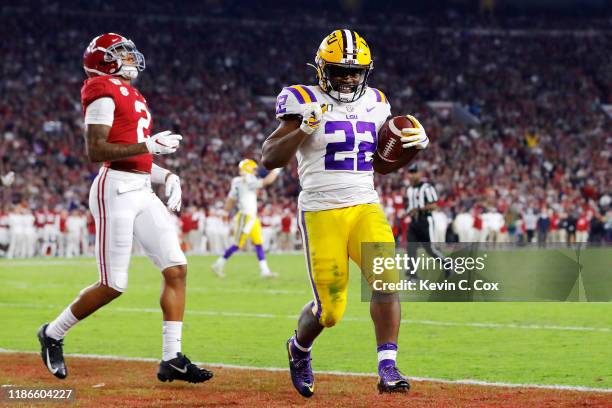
[[377, 93], [305, 97], [380, 97], [313, 98], [297, 94]]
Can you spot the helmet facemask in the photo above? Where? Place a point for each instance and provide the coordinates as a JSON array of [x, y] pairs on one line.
[[328, 74], [330, 79], [123, 52]]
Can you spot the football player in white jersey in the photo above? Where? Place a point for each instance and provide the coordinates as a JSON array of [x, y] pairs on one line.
[[247, 225], [332, 128]]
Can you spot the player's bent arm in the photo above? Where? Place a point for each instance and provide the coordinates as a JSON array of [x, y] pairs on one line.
[[383, 167], [99, 150], [280, 147]]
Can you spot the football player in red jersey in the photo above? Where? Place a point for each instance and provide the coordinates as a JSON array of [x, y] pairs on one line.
[[123, 204]]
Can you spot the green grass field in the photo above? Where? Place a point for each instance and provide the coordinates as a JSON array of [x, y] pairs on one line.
[[245, 320]]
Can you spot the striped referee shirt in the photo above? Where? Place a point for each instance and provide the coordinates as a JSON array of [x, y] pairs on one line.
[[419, 196]]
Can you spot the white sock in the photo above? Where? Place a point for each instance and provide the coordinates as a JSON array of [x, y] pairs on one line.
[[57, 329], [221, 261], [263, 267], [300, 347], [171, 339], [387, 355]]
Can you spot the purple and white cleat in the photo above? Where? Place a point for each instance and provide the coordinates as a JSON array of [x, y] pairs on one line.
[[392, 380], [301, 370]]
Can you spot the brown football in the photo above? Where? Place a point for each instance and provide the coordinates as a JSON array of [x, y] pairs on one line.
[[389, 146]]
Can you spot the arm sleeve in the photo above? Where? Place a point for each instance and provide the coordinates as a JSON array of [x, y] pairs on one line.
[[100, 112], [287, 103]]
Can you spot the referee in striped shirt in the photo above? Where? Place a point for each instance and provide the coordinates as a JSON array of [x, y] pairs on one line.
[[422, 200]]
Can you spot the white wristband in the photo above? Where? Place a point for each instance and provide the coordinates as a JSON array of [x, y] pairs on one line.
[[158, 174], [306, 129]]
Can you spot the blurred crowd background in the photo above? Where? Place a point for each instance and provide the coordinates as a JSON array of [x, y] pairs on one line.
[[524, 154]]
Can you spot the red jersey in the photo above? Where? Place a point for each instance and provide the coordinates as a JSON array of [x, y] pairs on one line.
[[40, 219], [554, 222], [582, 224], [132, 120], [62, 223], [91, 224], [51, 216], [188, 223], [286, 224]]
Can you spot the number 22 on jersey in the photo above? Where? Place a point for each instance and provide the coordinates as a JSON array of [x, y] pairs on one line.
[[143, 123], [355, 161]]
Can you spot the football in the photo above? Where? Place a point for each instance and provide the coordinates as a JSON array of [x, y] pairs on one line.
[[389, 144]]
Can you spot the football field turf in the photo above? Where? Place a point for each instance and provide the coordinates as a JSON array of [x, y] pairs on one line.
[[244, 320]]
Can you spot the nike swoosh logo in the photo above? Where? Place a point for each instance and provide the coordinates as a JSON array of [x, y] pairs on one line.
[[371, 109], [180, 370], [53, 370]]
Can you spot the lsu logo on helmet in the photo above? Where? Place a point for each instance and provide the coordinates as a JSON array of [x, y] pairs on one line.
[[340, 52], [247, 166]]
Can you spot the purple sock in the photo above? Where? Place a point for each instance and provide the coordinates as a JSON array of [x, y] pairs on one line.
[[260, 252], [386, 355], [230, 251]]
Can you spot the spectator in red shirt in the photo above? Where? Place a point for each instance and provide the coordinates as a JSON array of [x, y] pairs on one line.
[[285, 238], [582, 228]]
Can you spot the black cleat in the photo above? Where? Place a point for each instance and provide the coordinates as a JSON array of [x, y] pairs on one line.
[[180, 368], [52, 353], [392, 380], [301, 372]]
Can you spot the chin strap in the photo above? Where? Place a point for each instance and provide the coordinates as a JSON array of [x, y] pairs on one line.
[[128, 72]]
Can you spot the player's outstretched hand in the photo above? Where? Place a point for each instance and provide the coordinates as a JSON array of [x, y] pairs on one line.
[[414, 136], [8, 178], [173, 192], [164, 142], [311, 118]]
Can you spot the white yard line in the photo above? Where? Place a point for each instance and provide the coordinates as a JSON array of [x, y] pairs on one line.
[[28, 285], [343, 373], [42, 262], [480, 325]]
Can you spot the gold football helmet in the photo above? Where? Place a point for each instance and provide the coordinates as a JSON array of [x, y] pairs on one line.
[[247, 166], [343, 52]]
